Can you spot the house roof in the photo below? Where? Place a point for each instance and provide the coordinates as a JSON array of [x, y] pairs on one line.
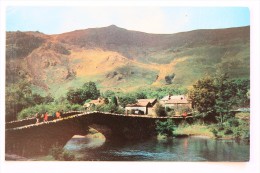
[[181, 99], [175, 101], [95, 102], [176, 97], [142, 103], [146, 100]]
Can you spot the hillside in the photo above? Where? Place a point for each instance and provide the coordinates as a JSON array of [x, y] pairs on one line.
[[119, 59]]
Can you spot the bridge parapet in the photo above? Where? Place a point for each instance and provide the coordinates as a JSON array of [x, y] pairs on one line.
[[32, 139], [28, 121]]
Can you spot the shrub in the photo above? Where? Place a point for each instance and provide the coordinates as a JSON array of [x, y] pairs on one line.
[[160, 111], [215, 132], [50, 108], [233, 122], [228, 131], [165, 127]]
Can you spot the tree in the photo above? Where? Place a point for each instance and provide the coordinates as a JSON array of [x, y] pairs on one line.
[[140, 95], [165, 127], [80, 95], [214, 97], [160, 111], [127, 99], [114, 100], [74, 96], [89, 91], [241, 88], [20, 96], [203, 96], [109, 94]]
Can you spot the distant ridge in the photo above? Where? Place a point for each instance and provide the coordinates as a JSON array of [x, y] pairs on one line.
[[121, 59]]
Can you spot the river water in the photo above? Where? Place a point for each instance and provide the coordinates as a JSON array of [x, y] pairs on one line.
[[175, 149]]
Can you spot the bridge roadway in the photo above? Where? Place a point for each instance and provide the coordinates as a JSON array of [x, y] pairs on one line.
[[26, 138]]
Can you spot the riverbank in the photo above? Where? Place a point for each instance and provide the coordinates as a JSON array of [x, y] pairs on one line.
[[232, 129], [193, 130]]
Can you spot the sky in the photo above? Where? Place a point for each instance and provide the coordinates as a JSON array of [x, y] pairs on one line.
[[55, 20]]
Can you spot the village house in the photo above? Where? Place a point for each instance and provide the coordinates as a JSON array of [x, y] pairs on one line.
[[142, 107], [177, 102], [93, 103]]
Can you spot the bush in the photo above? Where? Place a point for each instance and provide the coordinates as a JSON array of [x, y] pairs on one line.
[[215, 132], [165, 127], [50, 108], [160, 111], [233, 122], [228, 131]]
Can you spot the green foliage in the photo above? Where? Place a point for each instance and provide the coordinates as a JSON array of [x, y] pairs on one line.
[[160, 110], [109, 107], [20, 96], [108, 94], [160, 92], [114, 100], [203, 95], [80, 95], [214, 97], [74, 96], [165, 127], [140, 95], [127, 99], [231, 128], [50, 108]]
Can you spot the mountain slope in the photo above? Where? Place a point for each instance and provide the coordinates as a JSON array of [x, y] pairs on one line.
[[119, 59]]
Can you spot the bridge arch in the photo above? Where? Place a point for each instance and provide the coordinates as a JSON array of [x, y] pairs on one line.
[[36, 139]]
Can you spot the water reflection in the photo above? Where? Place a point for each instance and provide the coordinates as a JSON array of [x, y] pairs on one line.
[[175, 149]]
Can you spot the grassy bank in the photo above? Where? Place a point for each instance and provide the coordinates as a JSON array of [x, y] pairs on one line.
[[193, 130]]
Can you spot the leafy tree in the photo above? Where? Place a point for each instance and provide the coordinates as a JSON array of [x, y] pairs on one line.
[[109, 94], [89, 91], [20, 96], [74, 96], [80, 95], [165, 127], [224, 96], [203, 96], [114, 100], [160, 110], [214, 97], [127, 99], [38, 99], [241, 89], [140, 95]]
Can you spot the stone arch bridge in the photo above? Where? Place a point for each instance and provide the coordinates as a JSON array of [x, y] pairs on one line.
[[26, 138]]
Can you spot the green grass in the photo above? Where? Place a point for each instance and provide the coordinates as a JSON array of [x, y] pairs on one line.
[[201, 60], [194, 130]]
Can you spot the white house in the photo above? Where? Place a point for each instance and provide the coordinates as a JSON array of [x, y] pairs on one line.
[[141, 107]]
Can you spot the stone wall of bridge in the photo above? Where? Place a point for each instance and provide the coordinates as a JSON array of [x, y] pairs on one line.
[[34, 139]]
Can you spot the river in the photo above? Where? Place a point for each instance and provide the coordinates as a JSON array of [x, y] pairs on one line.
[[176, 149]]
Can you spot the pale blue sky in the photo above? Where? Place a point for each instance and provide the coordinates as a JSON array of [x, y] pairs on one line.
[[54, 20]]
